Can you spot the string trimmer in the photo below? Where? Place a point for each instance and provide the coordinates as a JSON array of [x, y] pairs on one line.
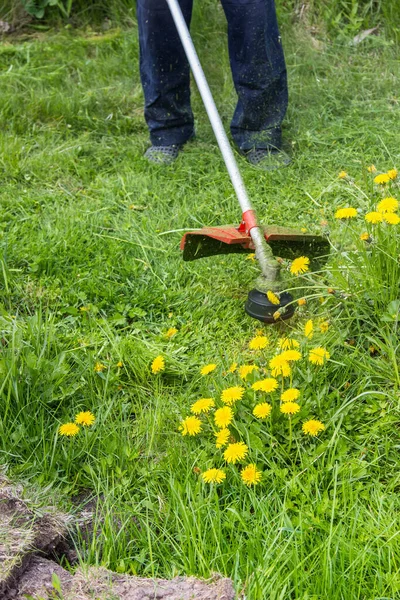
[[249, 236]]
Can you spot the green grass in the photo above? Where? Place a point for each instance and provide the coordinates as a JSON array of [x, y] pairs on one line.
[[91, 272]]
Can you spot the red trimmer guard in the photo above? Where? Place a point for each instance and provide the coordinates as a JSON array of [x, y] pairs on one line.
[[285, 243]]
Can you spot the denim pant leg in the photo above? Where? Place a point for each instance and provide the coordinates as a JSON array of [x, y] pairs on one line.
[[164, 72], [258, 71]]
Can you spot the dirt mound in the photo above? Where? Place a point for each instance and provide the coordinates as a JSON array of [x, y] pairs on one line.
[[32, 541]]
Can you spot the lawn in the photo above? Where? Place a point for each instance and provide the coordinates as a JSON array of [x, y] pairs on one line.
[[91, 280]]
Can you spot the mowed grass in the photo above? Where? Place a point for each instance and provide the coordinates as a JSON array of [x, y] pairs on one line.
[[91, 273]]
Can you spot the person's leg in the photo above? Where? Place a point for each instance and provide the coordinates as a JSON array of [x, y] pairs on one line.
[[164, 73], [259, 73]]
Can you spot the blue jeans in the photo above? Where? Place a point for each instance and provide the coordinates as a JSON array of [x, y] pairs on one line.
[[257, 64]]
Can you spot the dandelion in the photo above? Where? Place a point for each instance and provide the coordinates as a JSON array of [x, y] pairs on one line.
[[202, 405], [265, 385], [309, 329], [235, 452], [391, 218], [374, 217], [301, 301], [342, 175], [68, 429], [279, 366], [223, 417], [290, 355], [157, 365], [318, 356], [251, 257], [371, 169], [259, 342], [247, 370], [207, 369], [85, 418], [392, 174], [286, 343], [213, 476], [251, 475], [345, 213], [387, 205], [232, 368], [273, 298], [364, 237], [120, 364], [300, 265], [222, 437], [290, 408], [262, 411], [290, 395], [382, 179], [324, 326], [171, 332], [313, 427], [276, 315], [232, 395], [99, 367], [190, 426]]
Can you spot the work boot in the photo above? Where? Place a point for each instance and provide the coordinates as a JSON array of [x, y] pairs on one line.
[[163, 155], [266, 158]]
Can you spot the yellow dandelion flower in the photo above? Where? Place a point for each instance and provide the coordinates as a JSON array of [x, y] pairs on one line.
[[387, 205], [290, 355], [364, 237], [391, 218], [392, 174], [262, 411], [318, 356], [324, 326], [232, 395], [371, 169], [290, 395], [345, 213], [265, 385], [286, 343], [300, 265], [273, 298], [247, 370], [276, 315], [222, 437], [251, 257], [223, 417], [99, 367], [259, 342], [235, 452], [251, 475], [342, 175], [202, 405], [382, 179], [279, 366], [207, 369], [374, 217], [233, 368], [301, 301], [309, 329], [158, 365], [313, 427], [289, 408], [171, 332], [86, 418], [190, 426], [68, 429], [120, 364], [213, 476]]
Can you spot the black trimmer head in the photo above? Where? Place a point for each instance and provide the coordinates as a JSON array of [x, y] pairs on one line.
[[259, 307]]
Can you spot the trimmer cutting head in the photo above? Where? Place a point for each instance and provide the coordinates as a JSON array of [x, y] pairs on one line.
[[285, 243]]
